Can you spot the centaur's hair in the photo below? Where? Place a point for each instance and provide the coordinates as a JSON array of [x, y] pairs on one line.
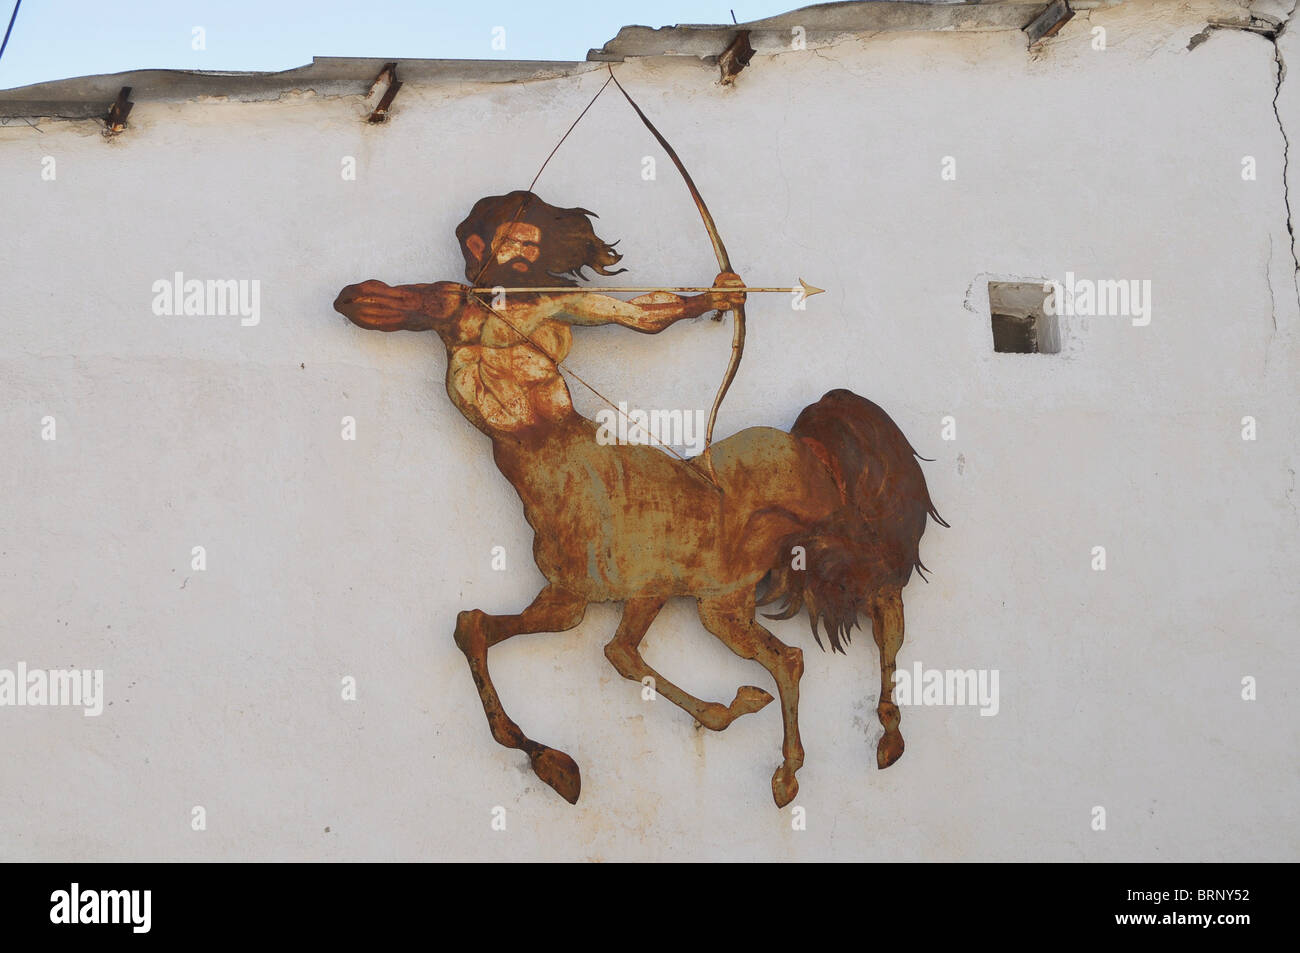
[[569, 244]]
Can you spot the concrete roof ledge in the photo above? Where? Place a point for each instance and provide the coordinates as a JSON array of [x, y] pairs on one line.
[[826, 22], [88, 97]]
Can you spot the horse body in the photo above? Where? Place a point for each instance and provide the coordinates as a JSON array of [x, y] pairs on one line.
[[615, 522], [830, 514]]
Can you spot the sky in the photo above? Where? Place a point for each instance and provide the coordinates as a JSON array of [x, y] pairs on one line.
[[55, 39]]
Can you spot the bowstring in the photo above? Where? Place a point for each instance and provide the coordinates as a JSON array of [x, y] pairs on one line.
[[559, 365]]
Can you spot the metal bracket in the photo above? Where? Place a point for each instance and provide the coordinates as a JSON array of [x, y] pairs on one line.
[[1047, 23], [387, 74], [117, 113], [735, 57]]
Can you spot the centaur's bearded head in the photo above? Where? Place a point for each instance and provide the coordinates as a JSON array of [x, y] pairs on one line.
[[519, 240]]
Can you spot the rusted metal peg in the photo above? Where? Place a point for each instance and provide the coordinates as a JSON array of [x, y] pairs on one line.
[[117, 113], [389, 74]]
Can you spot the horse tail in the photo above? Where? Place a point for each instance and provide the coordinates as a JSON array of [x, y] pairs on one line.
[[872, 540]]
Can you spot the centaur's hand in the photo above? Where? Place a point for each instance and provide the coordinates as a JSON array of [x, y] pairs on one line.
[[727, 300], [380, 307]]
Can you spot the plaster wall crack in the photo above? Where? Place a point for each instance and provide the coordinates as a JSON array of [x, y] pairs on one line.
[[1270, 23], [1286, 150]]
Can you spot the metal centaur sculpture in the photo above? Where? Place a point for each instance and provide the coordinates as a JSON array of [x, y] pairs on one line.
[[826, 518]]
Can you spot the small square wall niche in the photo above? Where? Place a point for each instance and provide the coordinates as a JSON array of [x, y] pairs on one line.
[[1021, 324]]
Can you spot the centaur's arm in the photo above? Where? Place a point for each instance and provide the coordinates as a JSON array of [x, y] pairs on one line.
[[380, 307], [649, 313]]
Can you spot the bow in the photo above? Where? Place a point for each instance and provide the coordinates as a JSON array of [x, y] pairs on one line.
[[719, 249], [724, 264]]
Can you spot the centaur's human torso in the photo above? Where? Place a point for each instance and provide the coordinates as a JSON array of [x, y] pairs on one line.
[[502, 374], [502, 366]]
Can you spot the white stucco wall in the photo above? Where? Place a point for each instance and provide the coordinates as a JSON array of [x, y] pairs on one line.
[[328, 558]]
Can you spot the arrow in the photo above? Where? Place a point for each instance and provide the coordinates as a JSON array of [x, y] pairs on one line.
[[807, 289]]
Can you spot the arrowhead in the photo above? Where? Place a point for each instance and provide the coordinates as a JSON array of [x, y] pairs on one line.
[[810, 290]]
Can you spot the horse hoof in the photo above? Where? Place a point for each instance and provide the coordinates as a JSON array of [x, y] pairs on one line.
[[784, 785], [714, 716], [890, 749], [559, 771], [748, 700]]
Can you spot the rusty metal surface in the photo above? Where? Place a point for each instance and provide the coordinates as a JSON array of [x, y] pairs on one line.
[[825, 518], [387, 75], [735, 58], [115, 121], [631, 524], [1048, 23]]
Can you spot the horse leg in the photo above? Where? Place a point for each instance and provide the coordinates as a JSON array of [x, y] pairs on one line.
[[887, 629], [554, 610], [624, 654], [731, 619]]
